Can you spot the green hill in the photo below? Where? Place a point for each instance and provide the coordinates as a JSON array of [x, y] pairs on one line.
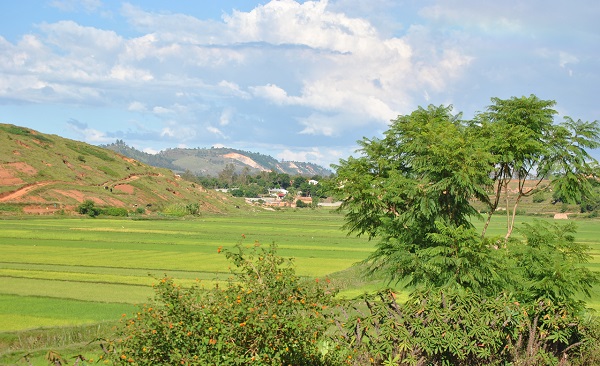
[[209, 162], [42, 173]]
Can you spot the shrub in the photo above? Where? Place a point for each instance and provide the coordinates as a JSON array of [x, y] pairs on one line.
[[300, 204], [449, 327], [265, 314], [538, 197], [115, 211], [88, 207]]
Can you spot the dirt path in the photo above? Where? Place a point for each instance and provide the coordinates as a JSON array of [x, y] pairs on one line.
[[24, 190], [131, 177]]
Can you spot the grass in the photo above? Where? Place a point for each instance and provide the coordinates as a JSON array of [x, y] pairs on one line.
[[108, 261], [71, 272]]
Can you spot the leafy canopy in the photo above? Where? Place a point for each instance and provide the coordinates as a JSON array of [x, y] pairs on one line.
[[414, 189]]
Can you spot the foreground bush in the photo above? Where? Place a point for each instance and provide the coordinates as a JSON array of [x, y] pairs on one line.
[[266, 315], [453, 327]]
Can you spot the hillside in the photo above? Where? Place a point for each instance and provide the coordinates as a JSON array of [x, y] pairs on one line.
[[209, 162], [42, 173]]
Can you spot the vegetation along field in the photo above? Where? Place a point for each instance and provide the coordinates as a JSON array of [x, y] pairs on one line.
[[72, 272]]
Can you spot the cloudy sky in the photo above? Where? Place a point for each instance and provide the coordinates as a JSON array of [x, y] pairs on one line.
[[298, 80]]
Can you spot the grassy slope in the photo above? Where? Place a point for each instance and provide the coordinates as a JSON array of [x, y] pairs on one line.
[[57, 174]]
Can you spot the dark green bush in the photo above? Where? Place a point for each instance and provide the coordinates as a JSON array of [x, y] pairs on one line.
[[88, 207]]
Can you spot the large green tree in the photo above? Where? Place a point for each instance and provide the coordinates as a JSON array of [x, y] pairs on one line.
[[414, 188], [527, 145]]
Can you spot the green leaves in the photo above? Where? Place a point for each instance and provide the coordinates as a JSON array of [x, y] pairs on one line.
[[549, 261], [266, 315]]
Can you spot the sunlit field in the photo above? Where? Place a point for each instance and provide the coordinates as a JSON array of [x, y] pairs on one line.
[[62, 272]]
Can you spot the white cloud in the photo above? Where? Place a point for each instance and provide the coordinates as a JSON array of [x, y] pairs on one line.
[[160, 110], [150, 150], [566, 58], [74, 5], [168, 132], [131, 74], [226, 115], [137, 106], [272, 93], [347, 67], [323, 156], [216, 131], [88, 134], [233, 89]]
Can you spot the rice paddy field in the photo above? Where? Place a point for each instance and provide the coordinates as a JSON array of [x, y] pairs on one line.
[[65, 272]]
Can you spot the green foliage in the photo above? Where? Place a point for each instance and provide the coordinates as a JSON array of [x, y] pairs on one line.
[[115, 211], [414, 184], [548, 265], [525, 143], [88, 207], [86, 149], [10, 208], [300, 204], [16, 130], [108, 171], [414, 191], [181, 209], [538, 197], [448, 327], [266, 315]]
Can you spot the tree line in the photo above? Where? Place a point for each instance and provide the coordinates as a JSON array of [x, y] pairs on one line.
[[244, 184]]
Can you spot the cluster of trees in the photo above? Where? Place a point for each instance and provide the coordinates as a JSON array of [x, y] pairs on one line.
[[476, 299], [88, 207], [244, 184]]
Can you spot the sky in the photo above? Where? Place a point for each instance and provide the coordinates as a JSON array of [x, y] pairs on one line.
[[297, 80]]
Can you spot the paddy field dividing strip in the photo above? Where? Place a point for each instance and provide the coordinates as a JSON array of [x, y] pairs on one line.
[[116, 271]]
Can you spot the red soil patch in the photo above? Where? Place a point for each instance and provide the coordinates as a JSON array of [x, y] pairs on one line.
[[78, 195], [126, 188], [7, 175], [16, 152], [129, 160], [114, 202], [23, 144], [16, 195], [7, 178], [23, 168]]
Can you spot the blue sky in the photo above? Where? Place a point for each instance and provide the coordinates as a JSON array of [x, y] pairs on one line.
[[298, 80]]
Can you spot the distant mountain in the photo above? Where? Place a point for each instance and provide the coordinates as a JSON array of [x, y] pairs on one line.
[[211, 161], [42, 173]]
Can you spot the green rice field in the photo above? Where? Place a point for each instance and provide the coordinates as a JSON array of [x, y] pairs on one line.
[[71, 271]]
